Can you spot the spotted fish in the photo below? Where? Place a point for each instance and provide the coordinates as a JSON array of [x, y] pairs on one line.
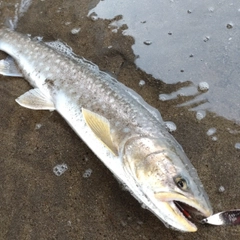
[[126, 133]]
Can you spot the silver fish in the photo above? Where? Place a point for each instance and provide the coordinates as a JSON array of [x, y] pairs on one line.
[[126, 133]]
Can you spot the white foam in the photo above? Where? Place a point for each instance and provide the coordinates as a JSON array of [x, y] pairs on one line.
[[171, 126], [237, 145], [211, 131], [214, 138], [200, 114], [221, 189], [203, 86], [141, 83], [87, 173], [75, 30], [60, 169]]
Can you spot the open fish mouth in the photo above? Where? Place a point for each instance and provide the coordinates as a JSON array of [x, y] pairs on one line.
[[192, 214], [189, 214], [181, 212]]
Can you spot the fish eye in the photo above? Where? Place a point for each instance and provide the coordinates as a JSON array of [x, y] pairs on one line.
[[181, 183]]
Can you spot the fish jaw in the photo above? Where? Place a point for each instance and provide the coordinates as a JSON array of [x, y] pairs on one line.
[[176, 216]]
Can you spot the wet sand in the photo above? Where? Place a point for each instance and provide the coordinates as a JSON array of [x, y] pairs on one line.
[[37, 204]]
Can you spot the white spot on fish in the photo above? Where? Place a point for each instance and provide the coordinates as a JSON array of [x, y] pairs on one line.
[[126, 130]]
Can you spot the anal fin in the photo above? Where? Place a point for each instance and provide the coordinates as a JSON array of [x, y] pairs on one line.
[[34, 99]]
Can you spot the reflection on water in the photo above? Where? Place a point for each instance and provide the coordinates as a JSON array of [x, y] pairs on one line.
[[175, 41]]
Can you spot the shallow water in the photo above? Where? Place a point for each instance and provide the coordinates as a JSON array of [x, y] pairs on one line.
[[185, 41], [172, 46]]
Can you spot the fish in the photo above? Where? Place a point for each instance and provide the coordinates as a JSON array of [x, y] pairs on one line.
[[126, 133]]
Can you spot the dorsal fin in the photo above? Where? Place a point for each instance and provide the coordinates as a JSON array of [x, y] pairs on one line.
[[101, 128]]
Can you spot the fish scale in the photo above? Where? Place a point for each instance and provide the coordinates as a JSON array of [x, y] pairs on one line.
[[126, 133], [87, 79]]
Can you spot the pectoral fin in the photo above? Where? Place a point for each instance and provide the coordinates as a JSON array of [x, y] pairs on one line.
[[101, 128], [34, 99]]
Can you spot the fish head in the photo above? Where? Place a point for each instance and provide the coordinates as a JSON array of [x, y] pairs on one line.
[[167, 180]]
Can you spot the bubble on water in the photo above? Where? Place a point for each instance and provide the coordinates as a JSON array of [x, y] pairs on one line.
[[67, 23], [206, 38], [203, 86], [75, 30], [94, 16], [211, 131], [171, 126], [229, 25], [147, 42], [60, 169], [221, 189], [237, 145], [87, 173], [200, 114], [141, 83], [211, 9]]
